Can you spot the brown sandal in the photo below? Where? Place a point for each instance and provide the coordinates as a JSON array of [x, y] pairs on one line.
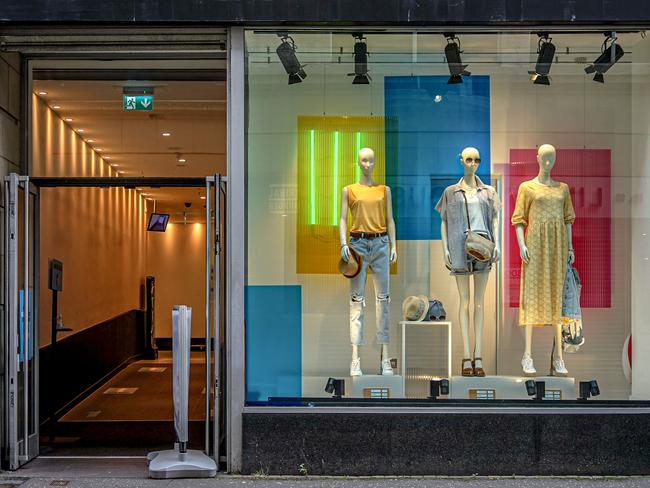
[[467, 371], [478, 371]]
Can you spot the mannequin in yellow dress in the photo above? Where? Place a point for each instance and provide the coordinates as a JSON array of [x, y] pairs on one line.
[[544, 208]]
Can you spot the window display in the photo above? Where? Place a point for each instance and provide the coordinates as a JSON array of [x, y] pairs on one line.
[[519, 204]]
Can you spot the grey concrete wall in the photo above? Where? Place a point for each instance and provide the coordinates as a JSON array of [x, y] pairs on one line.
[[9, 113]]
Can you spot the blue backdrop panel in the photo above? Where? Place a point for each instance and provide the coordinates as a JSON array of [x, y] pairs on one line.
[[273, 342], [428, 123]]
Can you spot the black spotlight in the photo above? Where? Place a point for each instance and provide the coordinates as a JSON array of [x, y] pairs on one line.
[[360, 74], [456, 67], [530, 387], [437, 388], [287, 54], [536, 389], [545, 56], [608, 58], [588, 389], [337, 387]]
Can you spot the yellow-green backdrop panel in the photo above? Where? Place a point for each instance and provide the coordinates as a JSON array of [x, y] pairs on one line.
[[327, 161]]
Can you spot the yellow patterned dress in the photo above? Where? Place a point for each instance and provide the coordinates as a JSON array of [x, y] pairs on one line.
[[545, 211]]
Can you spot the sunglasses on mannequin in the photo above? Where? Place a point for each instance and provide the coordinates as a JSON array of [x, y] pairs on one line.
[[472, 160]]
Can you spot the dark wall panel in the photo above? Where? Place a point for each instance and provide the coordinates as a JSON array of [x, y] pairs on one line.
[[446, 444], [83, 359], [415, 12]]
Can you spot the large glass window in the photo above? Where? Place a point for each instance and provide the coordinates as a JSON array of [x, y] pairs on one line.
[[393, 126]]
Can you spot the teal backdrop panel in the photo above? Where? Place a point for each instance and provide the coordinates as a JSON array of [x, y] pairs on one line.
[[273, 342], [428, 123]]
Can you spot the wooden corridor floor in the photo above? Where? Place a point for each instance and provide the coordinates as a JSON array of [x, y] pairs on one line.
[[132, 411], [142, 391]]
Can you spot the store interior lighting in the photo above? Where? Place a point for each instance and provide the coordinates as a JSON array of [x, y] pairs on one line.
[[452, 54], [611, 52], [545, 56], [287, 53], [335, 387], [588, 389], [361, 76]]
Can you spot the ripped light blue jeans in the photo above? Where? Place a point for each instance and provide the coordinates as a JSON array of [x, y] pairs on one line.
[[375, 253]]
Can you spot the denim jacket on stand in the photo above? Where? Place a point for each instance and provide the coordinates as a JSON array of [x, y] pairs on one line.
[[571, 294]]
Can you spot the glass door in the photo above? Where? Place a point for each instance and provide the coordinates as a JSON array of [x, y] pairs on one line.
[[20, 335], [215, 188]]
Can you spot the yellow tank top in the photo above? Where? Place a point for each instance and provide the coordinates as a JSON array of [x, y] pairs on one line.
[[368, 207]]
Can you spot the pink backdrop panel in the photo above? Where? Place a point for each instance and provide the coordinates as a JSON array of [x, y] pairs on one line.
[[587, 172]]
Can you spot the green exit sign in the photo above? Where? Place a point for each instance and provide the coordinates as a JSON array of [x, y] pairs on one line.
[[139, 102]]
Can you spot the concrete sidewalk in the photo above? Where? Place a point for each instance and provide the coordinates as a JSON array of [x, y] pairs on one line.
[[131, 472], [8, 481]]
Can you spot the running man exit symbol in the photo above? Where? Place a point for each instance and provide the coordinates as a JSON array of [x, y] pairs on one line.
[[139, 102]]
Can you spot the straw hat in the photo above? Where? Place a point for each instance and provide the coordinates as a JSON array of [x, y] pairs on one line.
[[414, 308], [351, 268]]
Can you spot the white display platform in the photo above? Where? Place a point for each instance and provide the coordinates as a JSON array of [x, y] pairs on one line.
[[424, 373], [314, 386], [509, 387], [377, 386]]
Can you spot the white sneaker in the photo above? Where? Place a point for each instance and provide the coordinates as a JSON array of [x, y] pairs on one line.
[[355, 367], [558, 368], [386, 368], [527, 365]]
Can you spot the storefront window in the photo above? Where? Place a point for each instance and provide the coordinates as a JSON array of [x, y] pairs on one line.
[[433, 162]]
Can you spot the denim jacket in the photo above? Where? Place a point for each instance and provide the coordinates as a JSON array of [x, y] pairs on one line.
[[571, 294], [453, 211]]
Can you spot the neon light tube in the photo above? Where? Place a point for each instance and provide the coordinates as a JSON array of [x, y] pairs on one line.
[[335, 188], [312, 180]]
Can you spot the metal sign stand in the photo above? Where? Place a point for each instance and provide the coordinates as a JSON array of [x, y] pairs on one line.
[[181, 462]]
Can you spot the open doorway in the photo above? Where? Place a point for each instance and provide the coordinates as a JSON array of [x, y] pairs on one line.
[[104, 352]]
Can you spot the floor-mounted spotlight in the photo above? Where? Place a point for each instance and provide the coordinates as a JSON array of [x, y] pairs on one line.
[[588, 389], [437, 388], [536, 389], [335, 387], [545, 56], [360, 74], [287, 54], [456, 67], [610, 53]]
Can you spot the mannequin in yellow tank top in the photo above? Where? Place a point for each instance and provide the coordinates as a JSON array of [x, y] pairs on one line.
[[372, 236]]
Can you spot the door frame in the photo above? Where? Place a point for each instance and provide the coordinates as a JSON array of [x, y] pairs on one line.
[[20, 447], [215, 188], [183, 46]]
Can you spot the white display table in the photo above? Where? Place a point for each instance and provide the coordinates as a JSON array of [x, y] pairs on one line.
[[406, 326]]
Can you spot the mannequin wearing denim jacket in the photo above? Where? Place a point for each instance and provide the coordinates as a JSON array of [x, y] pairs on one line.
[[453, 231], [377, 251]]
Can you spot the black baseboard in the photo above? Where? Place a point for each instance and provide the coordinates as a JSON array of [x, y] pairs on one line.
[[364, 444], [84, 360]]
